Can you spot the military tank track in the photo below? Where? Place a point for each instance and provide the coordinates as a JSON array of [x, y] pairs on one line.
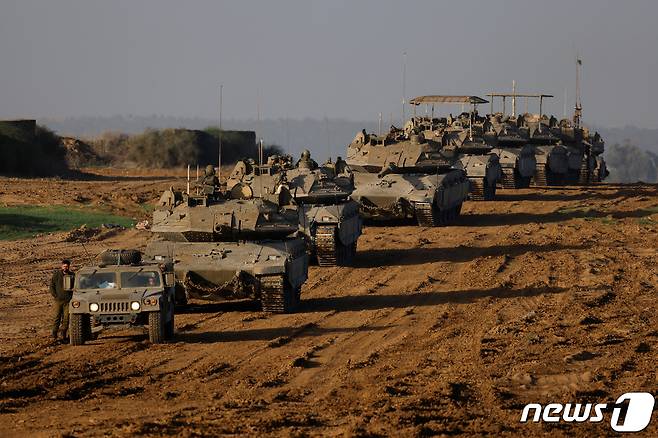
[[276, 294], [481, 191], [509, 179], [329, 250], [428, 215], [584, 176], [540, 178], [512, 180]]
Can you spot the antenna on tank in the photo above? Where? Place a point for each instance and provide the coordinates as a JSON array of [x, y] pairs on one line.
[[513, 98], [404, 84], [326, 125], [219, 161], [188, 179], [578, 109]]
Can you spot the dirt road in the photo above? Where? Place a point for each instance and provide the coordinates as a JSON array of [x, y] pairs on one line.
[[546, 295]]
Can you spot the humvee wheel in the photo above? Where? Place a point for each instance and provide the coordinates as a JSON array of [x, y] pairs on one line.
[[79, 328], [156, 327], [276, 294]]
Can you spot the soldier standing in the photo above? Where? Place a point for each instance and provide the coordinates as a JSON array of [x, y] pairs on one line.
[[60, 315]]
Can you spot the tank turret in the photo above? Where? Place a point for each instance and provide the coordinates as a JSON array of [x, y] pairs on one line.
[[327, 216]]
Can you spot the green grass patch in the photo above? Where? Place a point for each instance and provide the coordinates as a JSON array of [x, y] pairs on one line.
[[21, 222], [146, 207]]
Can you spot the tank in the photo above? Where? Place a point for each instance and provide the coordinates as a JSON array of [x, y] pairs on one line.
[[401, 176], [554, 160], [225, 247], [586, 164], [517, 157], [461, 140], [328, 218]]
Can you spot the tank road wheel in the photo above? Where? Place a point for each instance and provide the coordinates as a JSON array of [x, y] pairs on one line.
[[79, 328], [156, 327], [541, 177], [276, 294]]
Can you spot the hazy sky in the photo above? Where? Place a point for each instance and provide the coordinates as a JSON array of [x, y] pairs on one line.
[[317, 59]]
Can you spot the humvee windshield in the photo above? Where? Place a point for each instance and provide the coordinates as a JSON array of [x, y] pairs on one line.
[[97, 280], [140, 279]]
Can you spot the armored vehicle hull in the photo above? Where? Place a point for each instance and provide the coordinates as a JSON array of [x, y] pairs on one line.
[[271, 272], [430, 199], [552, 165], [483, 172], [332, 231], [518, 164]]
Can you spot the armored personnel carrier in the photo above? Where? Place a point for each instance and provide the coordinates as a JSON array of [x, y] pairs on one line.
[[328, 218], [123, 291], [228, 245], [462, 141], [403, 175]]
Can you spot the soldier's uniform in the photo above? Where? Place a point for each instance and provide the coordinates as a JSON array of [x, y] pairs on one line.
[[306, 162], [60, 314], [209, 183]]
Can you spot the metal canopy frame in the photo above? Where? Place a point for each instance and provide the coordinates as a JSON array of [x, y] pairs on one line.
[[514, 95]]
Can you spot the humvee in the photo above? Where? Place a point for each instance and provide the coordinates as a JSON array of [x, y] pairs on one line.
[[123, 291]]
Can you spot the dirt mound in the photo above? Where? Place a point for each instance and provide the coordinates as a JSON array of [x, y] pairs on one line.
[[79, 153]]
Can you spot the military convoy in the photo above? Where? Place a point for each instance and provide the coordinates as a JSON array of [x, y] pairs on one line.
[[327, 217], [123, 291], [229, 246], [252, 236]]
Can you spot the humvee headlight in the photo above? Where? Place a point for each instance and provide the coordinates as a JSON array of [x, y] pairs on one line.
[[75, 304], [150, 301], [93, 307], [135, 305]]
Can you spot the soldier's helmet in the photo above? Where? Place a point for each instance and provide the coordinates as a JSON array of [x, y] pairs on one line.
[[210, 170], [306, 154]]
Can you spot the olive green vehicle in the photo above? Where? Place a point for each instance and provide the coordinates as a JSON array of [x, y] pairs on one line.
[[461, 140], [328, 218], [123, 291], [401, 176], [227, 246]]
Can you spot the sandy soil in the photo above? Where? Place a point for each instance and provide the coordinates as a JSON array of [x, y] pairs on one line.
[[546, 295]]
